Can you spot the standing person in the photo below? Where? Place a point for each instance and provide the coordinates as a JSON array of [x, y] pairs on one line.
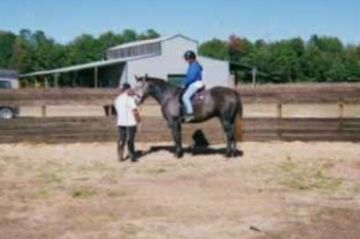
[[191, 83], [127, 119]]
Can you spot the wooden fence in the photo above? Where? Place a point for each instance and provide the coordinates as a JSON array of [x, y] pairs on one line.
[[153, 129]]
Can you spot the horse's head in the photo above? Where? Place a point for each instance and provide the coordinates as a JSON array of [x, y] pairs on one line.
[[142, 88]]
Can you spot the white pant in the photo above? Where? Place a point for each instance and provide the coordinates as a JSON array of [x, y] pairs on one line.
[[190, 91]]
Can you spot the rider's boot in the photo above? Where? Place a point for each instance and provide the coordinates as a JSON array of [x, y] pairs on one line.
[[188, 117]]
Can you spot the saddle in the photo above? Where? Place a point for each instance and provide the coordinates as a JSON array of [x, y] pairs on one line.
[[199, 94], [196, 98]]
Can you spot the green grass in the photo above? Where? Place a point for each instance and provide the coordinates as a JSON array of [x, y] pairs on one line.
[[83, 193], [310, 176]]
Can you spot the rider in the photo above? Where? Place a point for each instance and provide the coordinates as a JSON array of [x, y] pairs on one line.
[[191, 83]]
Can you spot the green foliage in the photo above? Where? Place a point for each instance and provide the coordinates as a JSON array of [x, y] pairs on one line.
[[7, 42], [320, 59], [215, 48], [30, 51]]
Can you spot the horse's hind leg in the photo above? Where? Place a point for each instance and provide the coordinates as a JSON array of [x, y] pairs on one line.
[[230, 138]]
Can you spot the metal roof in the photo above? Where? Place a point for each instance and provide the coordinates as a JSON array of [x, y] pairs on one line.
[[8, 73], [85, 66], [149, 41]]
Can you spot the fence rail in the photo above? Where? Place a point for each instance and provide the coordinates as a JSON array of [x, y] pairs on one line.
[[154, 129], [311, 93]]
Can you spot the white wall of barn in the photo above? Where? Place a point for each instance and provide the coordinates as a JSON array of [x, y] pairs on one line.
[[171, 62], [216, 72]]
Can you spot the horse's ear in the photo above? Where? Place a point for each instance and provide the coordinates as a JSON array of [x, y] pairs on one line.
[[136, 77]]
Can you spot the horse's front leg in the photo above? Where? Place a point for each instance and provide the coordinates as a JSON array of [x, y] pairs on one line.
[[176, 133]]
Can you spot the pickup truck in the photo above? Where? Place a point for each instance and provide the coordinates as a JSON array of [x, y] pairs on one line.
[[8, 80]]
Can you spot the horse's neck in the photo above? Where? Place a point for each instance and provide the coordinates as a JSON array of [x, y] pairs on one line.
[[162, 92]]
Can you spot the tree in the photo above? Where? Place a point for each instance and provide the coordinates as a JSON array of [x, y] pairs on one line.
[[22, 51], [7, 41], [149, 34], [215, 48], [85, 48], [239, 48]]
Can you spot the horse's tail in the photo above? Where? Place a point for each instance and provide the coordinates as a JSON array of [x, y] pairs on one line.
[[238, 120]]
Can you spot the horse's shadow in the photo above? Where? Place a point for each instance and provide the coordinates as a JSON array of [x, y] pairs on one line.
[[201, 146]]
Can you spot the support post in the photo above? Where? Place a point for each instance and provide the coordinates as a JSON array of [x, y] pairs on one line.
[[46, 83], [279, 117], [96, 77], [56, 80], [26, 83]]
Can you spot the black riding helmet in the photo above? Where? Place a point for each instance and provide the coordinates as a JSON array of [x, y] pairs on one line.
[[189, 55], [125, 86]]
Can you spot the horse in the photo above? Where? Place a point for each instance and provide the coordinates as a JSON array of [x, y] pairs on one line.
[[221, 102]]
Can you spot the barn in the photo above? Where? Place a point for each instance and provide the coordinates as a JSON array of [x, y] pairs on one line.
[[161, 57]]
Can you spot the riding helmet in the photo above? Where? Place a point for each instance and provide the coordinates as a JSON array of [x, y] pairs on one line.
[[125, 86], [189, 55]]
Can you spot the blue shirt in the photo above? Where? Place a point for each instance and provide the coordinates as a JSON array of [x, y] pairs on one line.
[[193, 74]]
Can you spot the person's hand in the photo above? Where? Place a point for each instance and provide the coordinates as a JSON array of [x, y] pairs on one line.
[[131, 92]]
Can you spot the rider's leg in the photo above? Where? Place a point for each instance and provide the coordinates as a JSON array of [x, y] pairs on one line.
[[190, 91], [186, 98]]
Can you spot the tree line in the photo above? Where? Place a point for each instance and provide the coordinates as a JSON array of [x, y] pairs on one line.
[[30, 51], [319, 59]]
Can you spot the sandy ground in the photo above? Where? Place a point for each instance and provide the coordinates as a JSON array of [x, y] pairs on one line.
[[250, 110], [275, 190]]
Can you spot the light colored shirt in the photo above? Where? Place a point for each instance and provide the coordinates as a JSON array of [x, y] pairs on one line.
[[125, 106]]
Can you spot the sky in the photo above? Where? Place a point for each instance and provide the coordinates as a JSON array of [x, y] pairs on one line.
[[199, 19]]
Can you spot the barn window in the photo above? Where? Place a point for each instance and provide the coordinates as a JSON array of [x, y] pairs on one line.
[[145, 49]]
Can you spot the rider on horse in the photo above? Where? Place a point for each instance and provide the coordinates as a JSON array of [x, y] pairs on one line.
[[192, 83]]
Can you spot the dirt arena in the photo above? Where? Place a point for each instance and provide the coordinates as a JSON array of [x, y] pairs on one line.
[[275, 190]]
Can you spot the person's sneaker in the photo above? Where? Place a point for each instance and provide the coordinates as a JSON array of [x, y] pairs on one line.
[[133, 158]]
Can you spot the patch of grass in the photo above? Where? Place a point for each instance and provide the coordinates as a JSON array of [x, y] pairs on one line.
[[42, 193], [115, 194], [50, 177], [307, 176], [83, 193], [98, 167], [156, 171]]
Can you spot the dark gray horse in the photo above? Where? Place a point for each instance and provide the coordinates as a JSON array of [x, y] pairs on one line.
[[220, 102]]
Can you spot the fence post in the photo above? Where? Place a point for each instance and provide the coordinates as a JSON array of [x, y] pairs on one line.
[[341, 114], [279, 110], [43, 110], [279, 118]]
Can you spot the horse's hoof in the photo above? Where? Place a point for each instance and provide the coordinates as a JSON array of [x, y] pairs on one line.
[[179, 155], [228, 155]]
